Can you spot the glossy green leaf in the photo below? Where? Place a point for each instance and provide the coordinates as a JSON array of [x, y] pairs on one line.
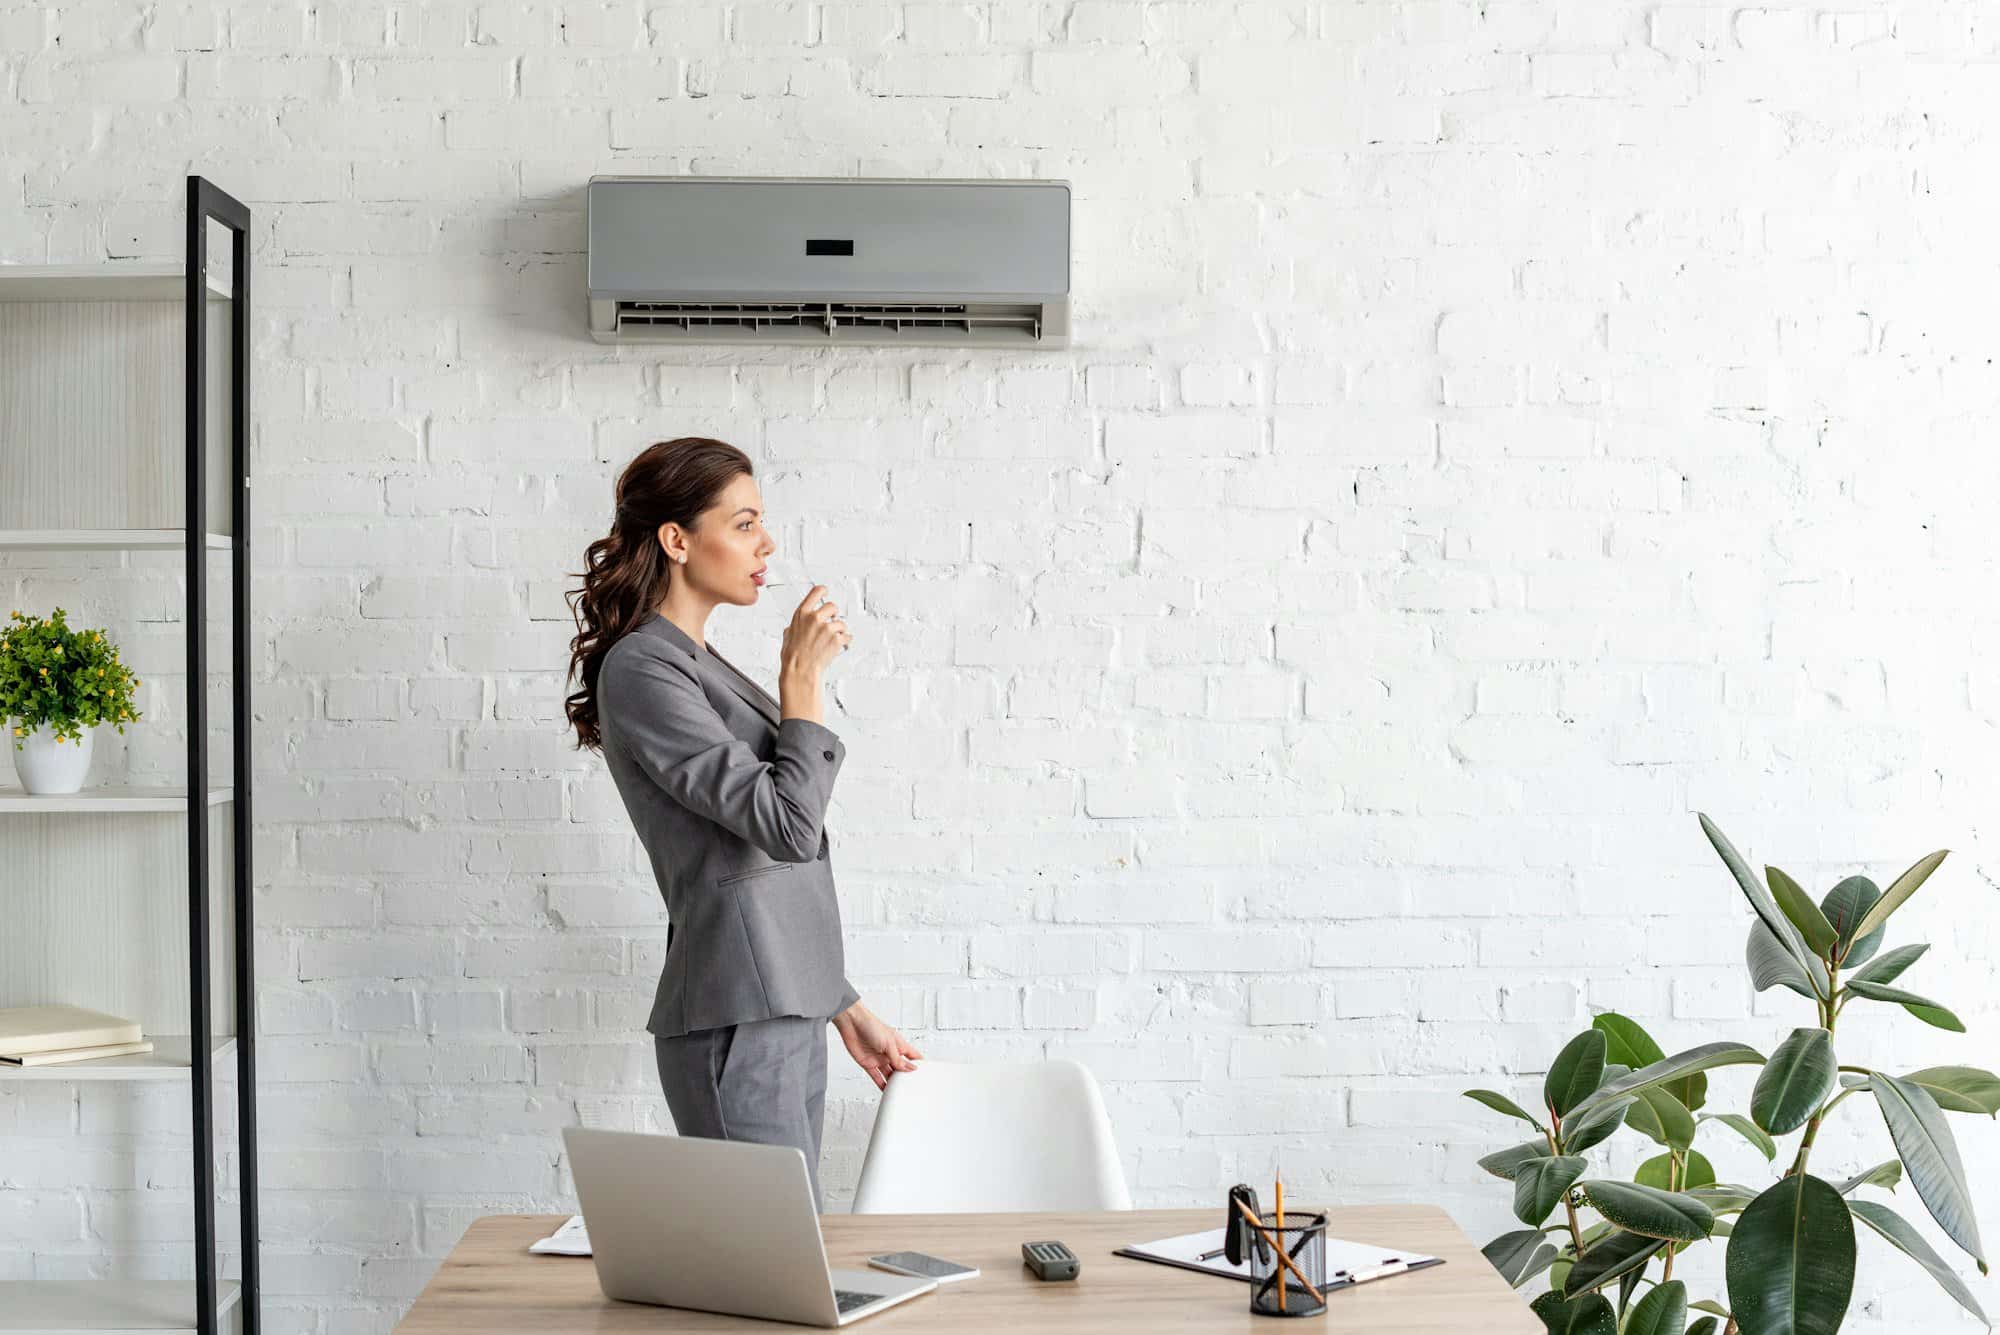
[[1628, 1284], [1657, 1171], [1964, 1089], [1679, 1066], [1900, 890], [1888, 1174], [1747, 1129], [1801, 912], [1792, 1084], [1790, 1263], [1888, 968], [1911, 1243], [1661, 1116], [1771, 965], [1663, 1311], [1500, 1103], [1629, 1044], [1922, 1007], [1541, 1183], [1672, 1215], [1844, 906], [1589, 1315], [1594, 1126], [1710, 1305], [1575, 1073], [1609, 1258], [1724, 1197], [1760, 899], [1519, 1256], [1930, 1157], [1506, 1163], [1626, 1041], [1705, 1326]]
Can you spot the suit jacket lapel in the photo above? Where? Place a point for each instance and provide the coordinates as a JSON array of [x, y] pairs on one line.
[[707, 665], [747, 689]]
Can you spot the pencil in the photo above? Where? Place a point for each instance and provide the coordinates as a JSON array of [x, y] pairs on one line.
[[1279, 1180], [1284, 1261]]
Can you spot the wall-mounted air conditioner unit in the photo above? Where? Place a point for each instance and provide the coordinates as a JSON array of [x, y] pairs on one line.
[[829, 260]]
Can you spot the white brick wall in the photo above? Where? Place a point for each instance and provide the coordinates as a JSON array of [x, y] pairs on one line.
[[1494, 431]]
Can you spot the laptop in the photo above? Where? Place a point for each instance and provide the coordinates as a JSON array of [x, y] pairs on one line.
[[719, 1226]]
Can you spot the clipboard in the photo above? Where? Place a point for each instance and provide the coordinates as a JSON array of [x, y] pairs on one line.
[[1347, 1263]]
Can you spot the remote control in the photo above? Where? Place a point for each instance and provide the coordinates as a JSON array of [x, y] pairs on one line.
[[1050, 1260]]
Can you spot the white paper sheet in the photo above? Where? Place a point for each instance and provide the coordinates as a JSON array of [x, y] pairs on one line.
[[569, 1240]]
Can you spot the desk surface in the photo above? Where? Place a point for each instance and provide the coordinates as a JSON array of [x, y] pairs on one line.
[[492, 1283]]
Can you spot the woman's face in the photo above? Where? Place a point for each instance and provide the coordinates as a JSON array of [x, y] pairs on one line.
[[727, 551]]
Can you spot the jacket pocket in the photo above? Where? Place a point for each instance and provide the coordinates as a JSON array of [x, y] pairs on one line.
[[754, 871]]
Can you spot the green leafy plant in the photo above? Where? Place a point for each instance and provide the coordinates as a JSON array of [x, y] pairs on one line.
[[1790, 1247], [66, 680]]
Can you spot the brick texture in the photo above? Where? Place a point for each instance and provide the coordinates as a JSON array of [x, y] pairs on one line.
[[1496, 429]]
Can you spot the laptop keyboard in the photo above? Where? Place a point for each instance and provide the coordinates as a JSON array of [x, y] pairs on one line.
[[847, 1299]]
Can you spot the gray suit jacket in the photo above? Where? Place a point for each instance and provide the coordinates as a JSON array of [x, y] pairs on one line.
[[730, 802]]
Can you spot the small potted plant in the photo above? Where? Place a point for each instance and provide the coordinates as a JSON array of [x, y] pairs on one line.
[[56, 686]]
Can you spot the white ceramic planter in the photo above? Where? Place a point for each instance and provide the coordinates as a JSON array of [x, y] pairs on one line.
[[46, 765]]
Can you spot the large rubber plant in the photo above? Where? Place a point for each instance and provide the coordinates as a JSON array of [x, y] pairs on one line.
[[1609, 1245]]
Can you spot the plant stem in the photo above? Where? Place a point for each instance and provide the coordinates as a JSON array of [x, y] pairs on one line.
[[1829, 1013], [1674, 1162], [1569, 1204]]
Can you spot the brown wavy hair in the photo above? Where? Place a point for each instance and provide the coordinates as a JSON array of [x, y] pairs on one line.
[[625, 573]]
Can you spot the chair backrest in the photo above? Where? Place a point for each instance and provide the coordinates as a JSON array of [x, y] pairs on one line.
[[955, 1137]]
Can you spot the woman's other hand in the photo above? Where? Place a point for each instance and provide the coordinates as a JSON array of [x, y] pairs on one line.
[[874, 1044]]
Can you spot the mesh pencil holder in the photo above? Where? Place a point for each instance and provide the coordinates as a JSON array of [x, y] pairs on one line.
[[1304, 1240]]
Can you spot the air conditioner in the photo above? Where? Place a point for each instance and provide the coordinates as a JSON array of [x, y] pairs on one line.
[[828, 260]]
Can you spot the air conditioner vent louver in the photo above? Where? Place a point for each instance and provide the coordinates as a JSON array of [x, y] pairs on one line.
[[820, 261], [831, 320]]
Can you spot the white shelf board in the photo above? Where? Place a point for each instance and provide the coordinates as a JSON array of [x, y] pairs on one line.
[[105, 798], [104, 539], [116, 280], [167, 1061], [66, 1306]]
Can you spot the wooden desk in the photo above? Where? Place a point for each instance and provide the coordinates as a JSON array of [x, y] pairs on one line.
[[492, 1285]]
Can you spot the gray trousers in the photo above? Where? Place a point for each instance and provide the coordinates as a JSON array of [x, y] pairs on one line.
[[764, 1081]]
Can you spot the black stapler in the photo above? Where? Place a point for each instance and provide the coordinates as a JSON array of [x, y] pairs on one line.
[[1234, 1229]]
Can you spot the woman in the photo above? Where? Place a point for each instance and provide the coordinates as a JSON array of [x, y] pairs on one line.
[[728, 791]]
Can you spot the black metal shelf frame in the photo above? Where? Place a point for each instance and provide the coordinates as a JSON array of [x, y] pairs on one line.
[[204, 202]]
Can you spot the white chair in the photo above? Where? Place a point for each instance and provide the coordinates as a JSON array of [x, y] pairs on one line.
[[954, 1138]]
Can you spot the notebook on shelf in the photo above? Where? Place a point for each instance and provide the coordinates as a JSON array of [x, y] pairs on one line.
[[31, 1029], [58, 1056]]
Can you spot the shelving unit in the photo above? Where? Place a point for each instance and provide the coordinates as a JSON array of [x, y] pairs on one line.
[[127, 1306], [103, 540], [99, 364], [105, 798], [167, 1061]]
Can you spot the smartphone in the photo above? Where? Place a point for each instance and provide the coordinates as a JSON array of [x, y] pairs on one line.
[[922, 1266]]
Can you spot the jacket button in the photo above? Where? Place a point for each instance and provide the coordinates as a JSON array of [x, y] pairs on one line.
[[822, 855], [827, 754]]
